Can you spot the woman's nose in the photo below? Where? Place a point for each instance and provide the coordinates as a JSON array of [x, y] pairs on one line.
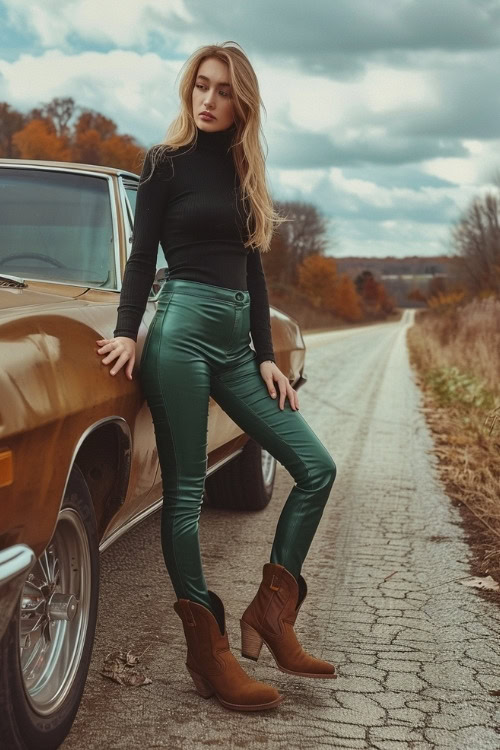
[[208, 100]]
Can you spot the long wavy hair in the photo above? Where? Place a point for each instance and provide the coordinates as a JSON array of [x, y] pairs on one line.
[[249, 159]]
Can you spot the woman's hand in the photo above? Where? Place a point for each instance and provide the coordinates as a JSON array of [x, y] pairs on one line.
[[270, 373], [121, 349]]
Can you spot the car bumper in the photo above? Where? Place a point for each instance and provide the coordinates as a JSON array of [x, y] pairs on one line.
[[15, 562], [300, 382]]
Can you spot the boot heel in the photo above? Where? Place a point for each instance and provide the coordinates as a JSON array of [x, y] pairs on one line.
[[202, 686], [251, 642]]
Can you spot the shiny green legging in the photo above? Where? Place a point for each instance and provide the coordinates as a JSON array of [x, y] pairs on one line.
[[198, 345]]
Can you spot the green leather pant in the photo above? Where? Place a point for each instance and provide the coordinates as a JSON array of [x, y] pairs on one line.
[[198, 346]]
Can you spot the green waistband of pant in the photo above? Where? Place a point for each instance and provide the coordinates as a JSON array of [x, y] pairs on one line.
[[210, 291]]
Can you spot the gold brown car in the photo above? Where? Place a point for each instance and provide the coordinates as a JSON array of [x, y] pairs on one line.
[[78, 459]]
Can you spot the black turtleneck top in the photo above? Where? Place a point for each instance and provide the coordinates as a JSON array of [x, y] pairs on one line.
[[191, 205]]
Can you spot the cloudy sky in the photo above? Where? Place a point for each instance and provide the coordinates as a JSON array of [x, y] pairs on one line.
[[385, 115]]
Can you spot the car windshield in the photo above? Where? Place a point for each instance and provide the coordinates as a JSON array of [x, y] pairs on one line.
[[56, 226]]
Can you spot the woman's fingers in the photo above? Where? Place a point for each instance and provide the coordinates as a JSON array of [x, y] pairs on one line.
[[121, 350], [113, 354], [286, 390], [130, 367], [105, 348], [282, 386], [293, 397], [124, 357]]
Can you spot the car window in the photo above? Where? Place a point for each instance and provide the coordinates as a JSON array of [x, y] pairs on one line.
[[131, 192], [56, 226]]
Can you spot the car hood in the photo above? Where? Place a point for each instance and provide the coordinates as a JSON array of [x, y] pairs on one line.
[[11, 297]]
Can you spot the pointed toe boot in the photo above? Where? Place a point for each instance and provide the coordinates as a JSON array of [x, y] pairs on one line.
[[212, 666], [269, 619]]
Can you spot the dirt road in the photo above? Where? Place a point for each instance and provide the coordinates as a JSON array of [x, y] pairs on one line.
[[417, 652]]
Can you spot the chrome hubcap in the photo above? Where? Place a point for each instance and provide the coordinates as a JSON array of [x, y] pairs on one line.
[[268, 467], [54, 613]]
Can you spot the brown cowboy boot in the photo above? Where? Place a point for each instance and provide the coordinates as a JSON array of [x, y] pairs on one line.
[[269, 619], [212, 665]]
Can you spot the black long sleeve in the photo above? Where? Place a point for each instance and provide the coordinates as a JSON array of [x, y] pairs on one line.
[[190, 205], [260, 323], [140, 270]]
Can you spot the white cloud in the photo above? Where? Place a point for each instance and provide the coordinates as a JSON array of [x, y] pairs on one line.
[[387, 90], [318, 103], [367, 191], [137, 91], [477, 170], [125, 23], [388, 238], [305, 180], [368, 114]]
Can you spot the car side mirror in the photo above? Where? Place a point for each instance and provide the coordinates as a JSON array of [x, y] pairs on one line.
[[160, 276]]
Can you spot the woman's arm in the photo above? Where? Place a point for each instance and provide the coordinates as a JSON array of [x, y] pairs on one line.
[[260, 320], [260, 327], [141, 266]]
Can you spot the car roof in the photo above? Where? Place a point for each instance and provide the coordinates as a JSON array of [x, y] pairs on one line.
[[73, 165]]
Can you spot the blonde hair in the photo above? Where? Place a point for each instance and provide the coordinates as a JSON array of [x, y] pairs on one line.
[[246, 147]]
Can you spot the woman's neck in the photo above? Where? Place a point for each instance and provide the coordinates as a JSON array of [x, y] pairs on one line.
[[218, 141]]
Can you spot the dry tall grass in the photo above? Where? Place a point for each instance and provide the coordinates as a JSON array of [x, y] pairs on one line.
[[466, 337], [457, 357]]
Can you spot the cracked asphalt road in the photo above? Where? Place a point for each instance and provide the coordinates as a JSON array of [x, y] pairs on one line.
[[417, 652]]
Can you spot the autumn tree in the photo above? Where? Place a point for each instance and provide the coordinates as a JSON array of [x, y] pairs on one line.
[[91, 120], [475, 238], [367, 287], [385, 302], [317, 279], [37, 141], [373, 294], [59, 112], [436, 286], [304, 233], [347, 303], [416, 295], [275, 260], [61, 131], [11, 121]]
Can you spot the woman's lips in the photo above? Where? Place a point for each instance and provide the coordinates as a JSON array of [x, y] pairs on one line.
[[204, 116]]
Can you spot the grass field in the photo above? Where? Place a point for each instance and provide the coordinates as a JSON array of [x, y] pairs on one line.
[[456, 354]]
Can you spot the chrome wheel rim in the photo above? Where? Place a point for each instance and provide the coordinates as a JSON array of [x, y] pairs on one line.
[[268, 467], [55, 606]]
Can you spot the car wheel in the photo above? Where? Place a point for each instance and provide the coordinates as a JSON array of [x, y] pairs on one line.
[[246, 482], [46, 649]]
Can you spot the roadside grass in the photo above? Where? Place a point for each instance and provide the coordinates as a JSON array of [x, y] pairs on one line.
[[456, 356]]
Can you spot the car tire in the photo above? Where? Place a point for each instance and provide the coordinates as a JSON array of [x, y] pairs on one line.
[[244, 483], [39, 697]]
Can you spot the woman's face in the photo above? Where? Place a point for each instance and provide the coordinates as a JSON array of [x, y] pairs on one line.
[[212, 93]]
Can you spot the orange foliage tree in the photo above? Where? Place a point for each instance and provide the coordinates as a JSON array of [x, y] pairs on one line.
[[11, 121], [317, 279], [373, 294], [37, 140], [48, 133], [347, 301], [417, 295]]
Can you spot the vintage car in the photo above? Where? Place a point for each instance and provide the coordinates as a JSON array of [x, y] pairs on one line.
[[78, 460]]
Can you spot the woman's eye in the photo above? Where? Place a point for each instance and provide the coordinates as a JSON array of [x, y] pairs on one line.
[[202, 86]]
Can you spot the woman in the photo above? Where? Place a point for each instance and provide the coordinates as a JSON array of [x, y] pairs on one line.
[[203, 194]]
